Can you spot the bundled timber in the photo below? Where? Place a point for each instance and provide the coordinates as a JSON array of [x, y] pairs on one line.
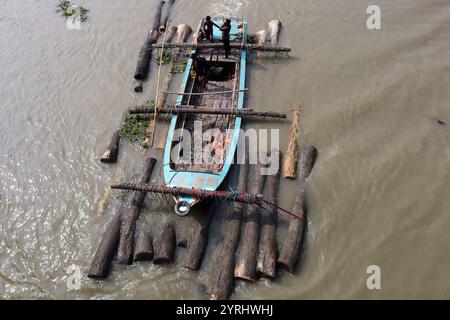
[[290, 252], [112, 152], [197, 246], [145, 55], [164, 245], [173, 109], [290, 161], [165, 18], [201, 194], [234, 45], [101, 264], [267, 247], [274, 28], [143, 251], [223, 274], [126, 243], [248, 246]]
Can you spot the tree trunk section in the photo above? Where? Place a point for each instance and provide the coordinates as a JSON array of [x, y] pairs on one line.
[[112, 152], [268, 250], [164, 245], [290, 161], [248, 246], [126, 243], [143, 250], [223, 274], [290, 252]]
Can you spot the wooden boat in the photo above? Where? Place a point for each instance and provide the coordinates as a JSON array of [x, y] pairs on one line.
[[224, 88]]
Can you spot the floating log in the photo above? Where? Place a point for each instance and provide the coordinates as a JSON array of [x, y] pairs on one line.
[[143, 250], [164, 245], [101, 264], [184, 31], [223, 274], [173, 109], [138, 86], [261, 36], [290, 161], [145, 55], [247, 46], [126, 243], [290, 252], [248, 245], [171, 33], [267, 247], [112, 152], [200, 194], [199, 240], [274, 28], [165, 18]]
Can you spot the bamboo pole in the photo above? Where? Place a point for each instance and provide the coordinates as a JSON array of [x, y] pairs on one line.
[[223, 273], [290, 161], [290, 252], [172, 109], [248, 246], [233, 45], [126, 243], [267, 247]]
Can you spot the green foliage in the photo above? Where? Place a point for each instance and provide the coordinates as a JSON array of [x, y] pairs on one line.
[[180, 66], [166, 58], [67, 9], [252, 38], [134, 128]]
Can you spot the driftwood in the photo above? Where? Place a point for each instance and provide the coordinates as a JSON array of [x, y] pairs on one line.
[[201, 194], [233, 45], [138, 86], [184, 31], [290, 160], [143, 251], [165, 18], [261, 36], [267, 247], [126, 243], [274, 28], [112, 152], [248, 245], [164, 245], [290, 252], [171, 33], [101, 264], [223, 274], [145, 55], [197, 245], [173, 109]]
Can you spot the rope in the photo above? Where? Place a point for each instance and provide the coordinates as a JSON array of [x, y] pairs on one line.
[[301, 218]]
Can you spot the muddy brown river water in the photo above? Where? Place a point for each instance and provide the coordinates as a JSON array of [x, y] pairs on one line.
[[371, 101]]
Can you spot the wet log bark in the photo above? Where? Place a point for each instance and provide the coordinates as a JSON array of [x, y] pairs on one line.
[[261, 36], [274, 28], [126, 243], [248, 245], [164, 245], [290, 252], [112, 152], [223, 274], [101, 264], [143, 250], [267, 247], [145, 55], [197, 245], [171, 33], [165, 18], [291, 160]]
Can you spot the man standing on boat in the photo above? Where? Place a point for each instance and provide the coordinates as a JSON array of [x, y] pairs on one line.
[[226, 28], [207, 30]]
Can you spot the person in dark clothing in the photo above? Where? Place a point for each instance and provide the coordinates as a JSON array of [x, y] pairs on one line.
[[207, 30], [226, 28], [200, 67]]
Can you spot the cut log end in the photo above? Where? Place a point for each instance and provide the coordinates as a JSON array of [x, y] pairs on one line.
[[112, 152], [164, 245], [143, 250]]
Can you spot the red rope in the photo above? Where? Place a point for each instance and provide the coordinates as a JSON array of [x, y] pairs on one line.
[[301, 218]]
